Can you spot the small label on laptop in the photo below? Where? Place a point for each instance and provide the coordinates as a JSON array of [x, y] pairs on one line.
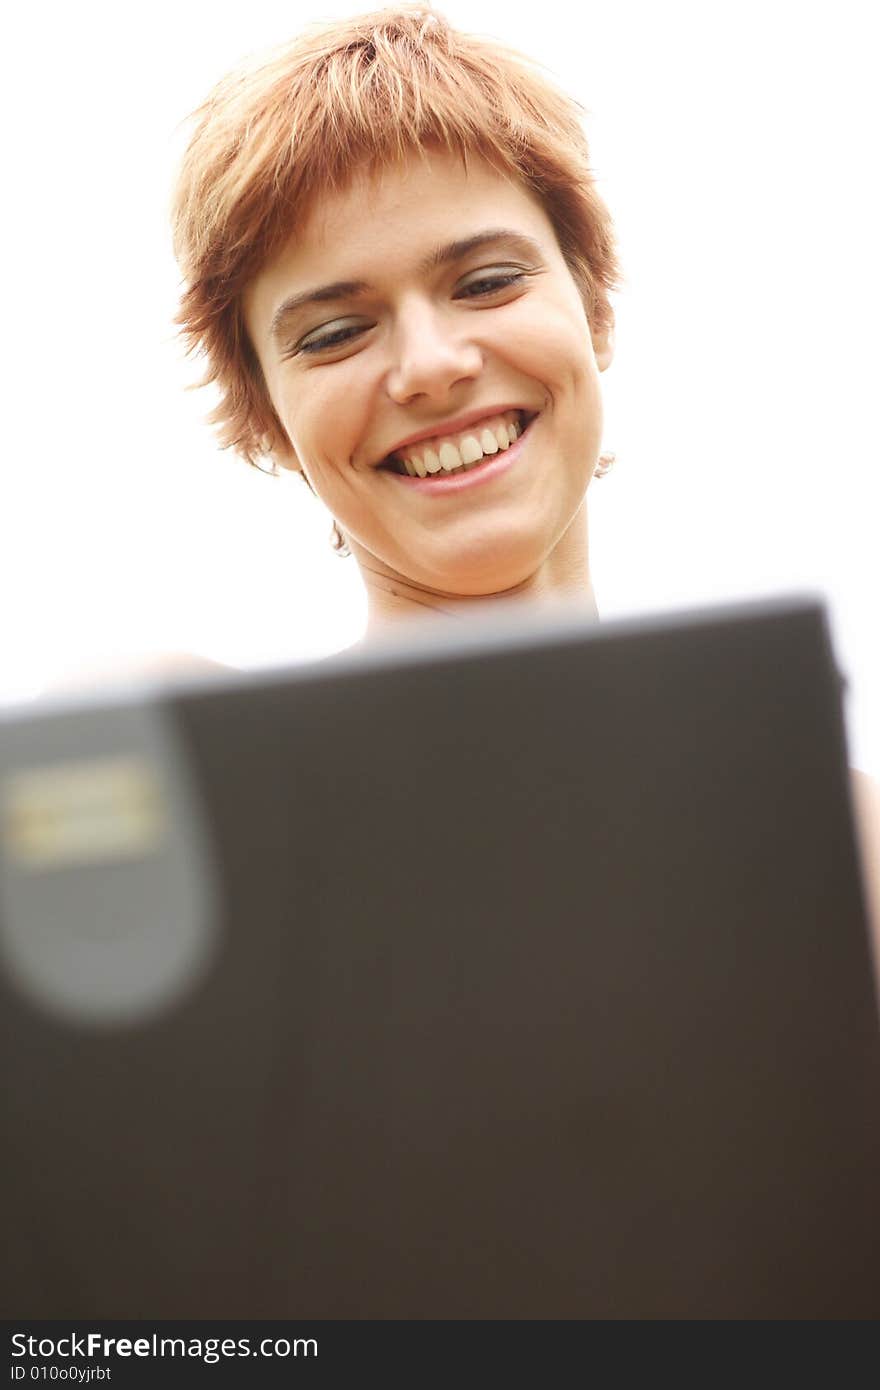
[[81, 812], [110, 894]]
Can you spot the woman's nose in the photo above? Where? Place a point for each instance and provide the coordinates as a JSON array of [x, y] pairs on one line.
[[430, 356]]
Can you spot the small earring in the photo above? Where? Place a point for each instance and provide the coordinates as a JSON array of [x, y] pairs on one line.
[[605, 464], [268, 466], [338, 543]]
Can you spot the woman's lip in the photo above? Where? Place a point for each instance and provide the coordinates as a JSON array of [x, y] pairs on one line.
[[492, 466]]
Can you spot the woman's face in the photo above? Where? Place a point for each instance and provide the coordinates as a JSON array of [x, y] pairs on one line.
[[431, 302]]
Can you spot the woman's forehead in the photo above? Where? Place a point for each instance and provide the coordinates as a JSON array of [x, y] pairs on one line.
[[404, 209]]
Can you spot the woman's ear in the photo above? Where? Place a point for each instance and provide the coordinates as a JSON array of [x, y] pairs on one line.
[[278, 448], [603, 344]]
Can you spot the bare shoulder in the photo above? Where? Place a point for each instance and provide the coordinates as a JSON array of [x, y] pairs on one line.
[[866, 805], [147, 665]]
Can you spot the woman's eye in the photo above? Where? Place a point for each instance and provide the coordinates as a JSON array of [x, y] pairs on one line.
[[491, 284], [481, 288], [335, 338]]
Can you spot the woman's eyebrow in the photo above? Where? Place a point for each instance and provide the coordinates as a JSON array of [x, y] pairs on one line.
[[441, 255]]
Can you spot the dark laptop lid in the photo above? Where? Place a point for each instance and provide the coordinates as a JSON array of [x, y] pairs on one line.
[[521, 972]]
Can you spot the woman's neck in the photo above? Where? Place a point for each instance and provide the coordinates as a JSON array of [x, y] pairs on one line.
[[561, 580], [393, 604]]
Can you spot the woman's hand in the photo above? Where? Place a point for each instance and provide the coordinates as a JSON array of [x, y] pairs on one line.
[[866, 804]]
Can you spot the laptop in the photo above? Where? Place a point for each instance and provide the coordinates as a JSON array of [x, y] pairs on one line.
[[517, 972]]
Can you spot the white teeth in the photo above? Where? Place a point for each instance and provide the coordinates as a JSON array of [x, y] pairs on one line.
[[466, 452], [470, 449]]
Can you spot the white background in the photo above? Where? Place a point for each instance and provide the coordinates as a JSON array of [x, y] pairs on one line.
[[736, 149]]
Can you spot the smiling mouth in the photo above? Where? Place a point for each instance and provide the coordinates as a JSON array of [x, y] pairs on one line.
[[462, 452]]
